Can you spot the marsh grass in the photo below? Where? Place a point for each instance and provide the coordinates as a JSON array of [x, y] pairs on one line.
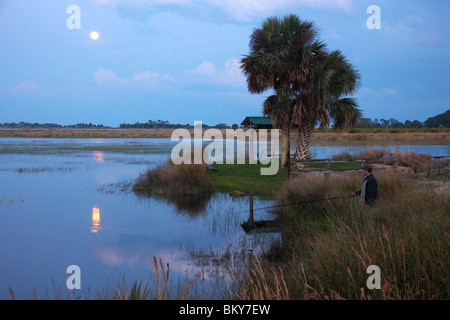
[[405, 159], [171, 179], [174, 181], [162, 290], [328, 246], [381, 136], [158, 287], [187, 186]]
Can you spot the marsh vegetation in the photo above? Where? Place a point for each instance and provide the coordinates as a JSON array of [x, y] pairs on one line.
[[204, 237], [327, 246]]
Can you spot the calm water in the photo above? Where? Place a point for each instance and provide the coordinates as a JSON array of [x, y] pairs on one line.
[[68, 202]]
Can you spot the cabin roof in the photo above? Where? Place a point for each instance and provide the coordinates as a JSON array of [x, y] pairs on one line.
[[257, 121]]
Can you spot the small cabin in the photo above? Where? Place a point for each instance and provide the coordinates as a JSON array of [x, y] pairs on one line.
[[257, 123]]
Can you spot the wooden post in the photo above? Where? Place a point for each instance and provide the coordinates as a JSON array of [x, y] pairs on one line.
[[327, 170], [289, 168], [429, 168], [251, 147], [251, 209]]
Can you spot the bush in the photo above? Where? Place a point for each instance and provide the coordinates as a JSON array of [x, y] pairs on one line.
[[171, 179], [186, 185]]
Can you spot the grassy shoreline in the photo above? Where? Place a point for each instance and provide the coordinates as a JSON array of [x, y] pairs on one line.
[[328, 136], [326, 247]]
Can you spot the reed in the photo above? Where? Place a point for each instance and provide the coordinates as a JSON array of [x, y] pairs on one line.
[[174, 180], [429, 136], [328, 246], [162, 290], [405, 159], [259, 286]]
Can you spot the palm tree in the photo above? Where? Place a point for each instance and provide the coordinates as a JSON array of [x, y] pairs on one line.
[[322, 102], [280, 108], [280, 60], [309, 81]]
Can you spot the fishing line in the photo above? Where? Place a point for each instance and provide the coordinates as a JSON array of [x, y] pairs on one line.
[[294, 203]]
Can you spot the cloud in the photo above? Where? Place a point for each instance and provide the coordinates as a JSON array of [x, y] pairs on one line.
[[26, 86], [245, 10], [423, 30], [389, 91], [21, 87], [151, 76], [429, 37], [379, 91], [240, 10], [105, 76], [206, 68], [230, 74]]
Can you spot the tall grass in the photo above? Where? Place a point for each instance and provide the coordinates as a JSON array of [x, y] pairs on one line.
[[405, 159], [162, 290], [185, 185], [328, 246], [171, 179]]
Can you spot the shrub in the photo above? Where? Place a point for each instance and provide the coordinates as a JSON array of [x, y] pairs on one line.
[[185, 185]]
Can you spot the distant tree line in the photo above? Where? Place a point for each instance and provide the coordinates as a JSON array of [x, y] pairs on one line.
[[161, 124], [390, 123], [440, 121], [35, 125]]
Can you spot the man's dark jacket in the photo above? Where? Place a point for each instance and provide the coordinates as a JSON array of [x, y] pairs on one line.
[[371, 193]]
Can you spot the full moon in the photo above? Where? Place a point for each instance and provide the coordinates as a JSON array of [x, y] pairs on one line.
[[94, 35]]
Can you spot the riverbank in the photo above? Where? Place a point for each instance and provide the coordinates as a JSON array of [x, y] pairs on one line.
[[327, 247], [320, 137]]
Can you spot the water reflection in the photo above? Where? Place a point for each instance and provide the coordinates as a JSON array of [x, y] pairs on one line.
[[99, 157], [252, 225], [191, 205], [196, 235], [96, 226]]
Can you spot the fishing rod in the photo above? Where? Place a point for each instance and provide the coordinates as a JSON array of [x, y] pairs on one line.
[[296, 203]]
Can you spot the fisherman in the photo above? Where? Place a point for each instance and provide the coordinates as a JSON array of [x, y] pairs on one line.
[[369, 190]]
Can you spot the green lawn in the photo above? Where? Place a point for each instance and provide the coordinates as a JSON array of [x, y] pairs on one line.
[[335, 166], [246, 178]]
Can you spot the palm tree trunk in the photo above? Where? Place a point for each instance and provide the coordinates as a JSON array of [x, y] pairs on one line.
[[303, 141], [285, 146]]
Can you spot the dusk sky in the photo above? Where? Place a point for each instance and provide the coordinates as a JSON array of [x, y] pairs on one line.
[[178, 60]]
